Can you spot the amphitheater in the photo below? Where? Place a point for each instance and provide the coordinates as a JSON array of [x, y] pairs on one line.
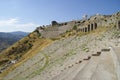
[[94, 55]]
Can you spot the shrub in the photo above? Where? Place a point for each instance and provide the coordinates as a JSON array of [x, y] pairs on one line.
[[67, 31], [74, 27], [3, 61]]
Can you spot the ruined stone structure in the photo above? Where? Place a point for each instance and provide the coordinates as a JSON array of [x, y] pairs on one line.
[[55, 29], [54, 23], [88, 28]]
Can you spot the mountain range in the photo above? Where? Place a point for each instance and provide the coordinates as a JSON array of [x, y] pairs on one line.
[[8, 38]]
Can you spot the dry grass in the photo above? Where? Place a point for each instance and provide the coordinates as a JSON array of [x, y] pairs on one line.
[[38, 44]]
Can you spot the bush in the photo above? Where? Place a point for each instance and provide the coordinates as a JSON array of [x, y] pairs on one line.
[[67, 31], [74, 27], [3, 61]]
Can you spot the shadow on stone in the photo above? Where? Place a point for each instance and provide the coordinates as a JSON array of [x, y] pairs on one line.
[[89, 57], [105, 50], [98, 54]]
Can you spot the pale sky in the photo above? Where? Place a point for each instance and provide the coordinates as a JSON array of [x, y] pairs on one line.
[[26, 15]]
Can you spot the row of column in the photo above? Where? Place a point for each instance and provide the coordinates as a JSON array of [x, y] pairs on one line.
[[89, 28]]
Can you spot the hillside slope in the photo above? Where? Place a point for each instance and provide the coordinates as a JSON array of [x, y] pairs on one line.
[[93, 56], [7, 39]]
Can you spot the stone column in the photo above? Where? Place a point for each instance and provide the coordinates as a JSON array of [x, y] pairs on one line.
[[83, 30], [88, 28]]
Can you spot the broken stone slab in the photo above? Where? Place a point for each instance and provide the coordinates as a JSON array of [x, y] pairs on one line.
[[98, 54], [89, 57], [105, 49]]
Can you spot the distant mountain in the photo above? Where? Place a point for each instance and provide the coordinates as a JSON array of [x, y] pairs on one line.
[[7, 39], [19, 33]]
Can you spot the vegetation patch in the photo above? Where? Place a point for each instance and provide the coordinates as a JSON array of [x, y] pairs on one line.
[[38, 44], [85, 48], [74, 27]]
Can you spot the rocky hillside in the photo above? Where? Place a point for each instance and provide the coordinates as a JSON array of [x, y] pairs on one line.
[[7, 39], [75, 54]]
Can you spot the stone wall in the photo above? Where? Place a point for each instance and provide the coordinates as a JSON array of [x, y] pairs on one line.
[[55, 29], [50, 34]]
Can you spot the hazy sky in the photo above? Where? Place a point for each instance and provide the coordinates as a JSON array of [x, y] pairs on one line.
[[26, 15]]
